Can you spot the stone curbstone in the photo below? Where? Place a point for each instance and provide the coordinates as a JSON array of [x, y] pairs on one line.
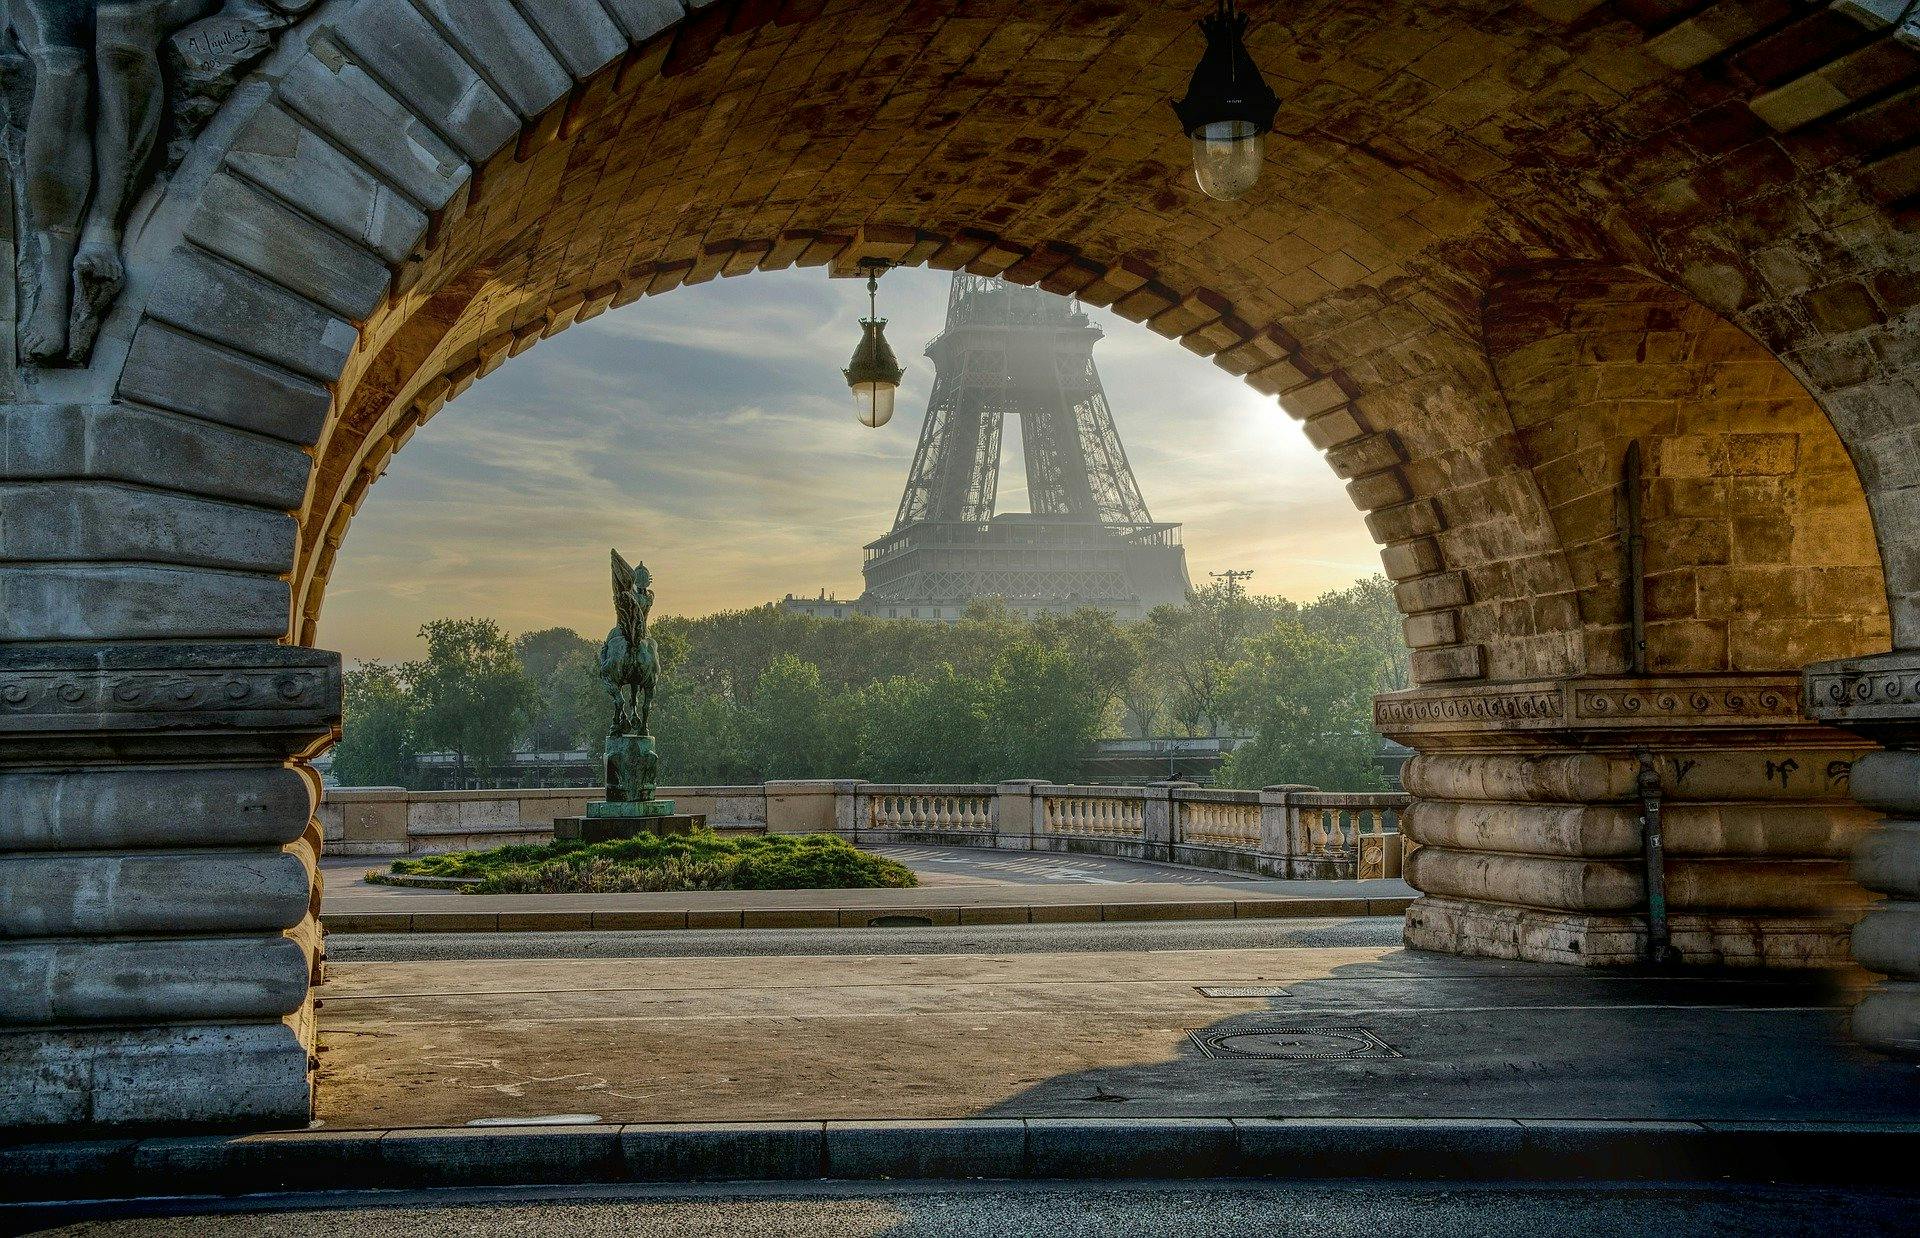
[[481, 1156], [1430, 1149], [1131, 1147], [724, 1151], [1221, 910], [911, 1148]]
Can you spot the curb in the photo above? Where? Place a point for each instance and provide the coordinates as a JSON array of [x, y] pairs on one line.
[[1428, 1149], [851, 917]]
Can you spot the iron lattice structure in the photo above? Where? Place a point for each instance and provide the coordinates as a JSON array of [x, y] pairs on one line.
[[1009, 351]]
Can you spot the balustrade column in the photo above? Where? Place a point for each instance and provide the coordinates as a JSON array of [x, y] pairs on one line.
[[1527, 811], [1879, 698]]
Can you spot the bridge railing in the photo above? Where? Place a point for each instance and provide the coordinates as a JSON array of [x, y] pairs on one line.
[[1289, 831]]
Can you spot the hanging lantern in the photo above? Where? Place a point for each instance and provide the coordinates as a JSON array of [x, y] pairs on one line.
[[874, 373], [1229, 109]]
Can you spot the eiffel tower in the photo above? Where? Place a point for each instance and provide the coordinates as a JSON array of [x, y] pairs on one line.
[[1089, 540]]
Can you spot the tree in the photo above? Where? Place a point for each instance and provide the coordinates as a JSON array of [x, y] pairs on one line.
[[1194, 648], [1307, 697], [796, 727], [376, 747], [1366, 609], [573, 709], [1040, 718], [924, 728], [474, 700], [1106, 655]]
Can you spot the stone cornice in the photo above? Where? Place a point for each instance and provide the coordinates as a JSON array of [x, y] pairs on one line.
[[1597, 711], [1877, 696], [164, 700]]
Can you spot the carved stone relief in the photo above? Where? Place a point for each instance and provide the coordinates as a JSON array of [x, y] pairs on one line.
[[88, 86]]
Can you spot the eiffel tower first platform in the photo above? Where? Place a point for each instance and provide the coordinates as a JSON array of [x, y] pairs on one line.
[[1089, 540]]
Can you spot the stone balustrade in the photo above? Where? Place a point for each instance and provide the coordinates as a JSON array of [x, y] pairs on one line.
[[1278, 832]]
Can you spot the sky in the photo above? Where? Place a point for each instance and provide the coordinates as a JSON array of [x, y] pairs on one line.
[[710, 433]]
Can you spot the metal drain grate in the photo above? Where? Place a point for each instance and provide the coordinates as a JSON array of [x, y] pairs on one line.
[[1242, 990], [1293, 1044]]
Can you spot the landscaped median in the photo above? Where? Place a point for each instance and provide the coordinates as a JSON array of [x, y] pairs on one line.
[[651, 863], [1437, 1149]]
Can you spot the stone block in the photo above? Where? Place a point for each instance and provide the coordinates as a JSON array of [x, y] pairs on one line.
[[119, 442], [724, 1151], [580, 32], [494, 36], [207, 297], [922, 1149], [66, 980], [141, 806], [282, 155], [785, 917], [249, 1164], [328, 89], [69, 521], [136, 602], [210, 1073], [398, 46], [1132, 1148], [235, 891], [1449, 663], [481, 1156], [1377, 1149], [175, 371], [246, 227], [1441, 591]]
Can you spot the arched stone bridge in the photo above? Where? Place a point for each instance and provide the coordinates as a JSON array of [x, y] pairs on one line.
[[1497, 244]]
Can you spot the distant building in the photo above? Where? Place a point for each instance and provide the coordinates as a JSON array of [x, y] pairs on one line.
[[1089, 540]]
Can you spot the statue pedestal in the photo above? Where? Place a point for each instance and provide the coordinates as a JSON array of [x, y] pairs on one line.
[[606, 820]]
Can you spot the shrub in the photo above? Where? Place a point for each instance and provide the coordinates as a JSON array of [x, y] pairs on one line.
[[647, 863]]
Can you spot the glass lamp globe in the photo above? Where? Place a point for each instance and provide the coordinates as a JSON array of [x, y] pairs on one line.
[[1228, 156], [874, 402]]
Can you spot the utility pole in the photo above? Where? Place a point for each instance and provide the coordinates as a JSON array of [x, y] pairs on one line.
[[1233, 580]]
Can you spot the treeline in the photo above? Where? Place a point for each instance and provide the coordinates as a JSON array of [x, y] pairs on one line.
[[766, 693]]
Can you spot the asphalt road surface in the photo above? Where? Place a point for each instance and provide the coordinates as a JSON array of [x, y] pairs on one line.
[[1059, 1210]]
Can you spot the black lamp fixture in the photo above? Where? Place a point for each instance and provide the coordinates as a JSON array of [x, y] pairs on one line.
[[1229, 108], [874, 373]]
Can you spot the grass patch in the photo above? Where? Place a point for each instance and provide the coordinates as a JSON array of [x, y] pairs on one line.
[[699, 861]]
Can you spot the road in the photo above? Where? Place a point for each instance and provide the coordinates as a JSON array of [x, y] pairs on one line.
[[995, 1210]]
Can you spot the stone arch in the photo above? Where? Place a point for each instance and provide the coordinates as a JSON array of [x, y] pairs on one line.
[[408, 191], [1760, 551]]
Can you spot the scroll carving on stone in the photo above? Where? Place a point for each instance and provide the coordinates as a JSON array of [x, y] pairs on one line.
[[88, 87]]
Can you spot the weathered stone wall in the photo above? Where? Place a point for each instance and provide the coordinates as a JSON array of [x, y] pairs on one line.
[[1760, 552]]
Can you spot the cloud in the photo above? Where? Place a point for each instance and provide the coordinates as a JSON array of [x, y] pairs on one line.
[[710, 432]]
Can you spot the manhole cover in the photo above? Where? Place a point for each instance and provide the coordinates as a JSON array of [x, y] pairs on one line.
[[1293, 1043], [1242, 990]]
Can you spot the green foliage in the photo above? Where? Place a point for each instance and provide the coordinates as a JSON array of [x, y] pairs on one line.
[[376, 748], [1307, 697], [472, 697], [573, 708], [766, 693], [702, 860]]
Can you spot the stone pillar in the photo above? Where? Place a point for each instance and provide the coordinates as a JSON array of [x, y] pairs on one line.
[[1879, 698], [1276, 828], [1527, 818], [1015, 808], [159, 898], [806, 805], [1156, 819]]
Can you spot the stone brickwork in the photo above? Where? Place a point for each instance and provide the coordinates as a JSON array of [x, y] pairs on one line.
[[404, 194]]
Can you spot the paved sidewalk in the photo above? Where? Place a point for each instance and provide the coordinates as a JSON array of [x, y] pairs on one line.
[[1373, 1031], [959, 886]]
